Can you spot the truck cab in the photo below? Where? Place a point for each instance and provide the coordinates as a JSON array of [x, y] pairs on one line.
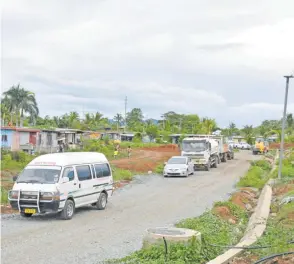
[[202, 151]]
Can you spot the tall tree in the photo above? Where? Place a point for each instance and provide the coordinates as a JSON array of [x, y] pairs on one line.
[[134, 118], [118, 119], [209, 125], [248, 133], [21, 102]]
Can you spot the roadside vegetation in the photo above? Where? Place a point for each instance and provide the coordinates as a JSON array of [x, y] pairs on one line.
[[257, 175], [279, 234], [220, 227]]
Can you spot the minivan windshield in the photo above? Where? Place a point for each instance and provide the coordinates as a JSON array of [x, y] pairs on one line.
[[177, 161], [39, 175]]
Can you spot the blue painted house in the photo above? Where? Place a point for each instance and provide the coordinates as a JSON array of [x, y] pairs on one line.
[[7, 137]]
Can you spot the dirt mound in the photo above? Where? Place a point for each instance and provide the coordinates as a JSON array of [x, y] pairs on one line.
[[244, 197], [280, 190], [225, 213], [163, 148], [147, 159], [281, 260], [277, 145]]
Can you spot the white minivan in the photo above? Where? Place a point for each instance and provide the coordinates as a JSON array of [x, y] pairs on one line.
[[61, 182]]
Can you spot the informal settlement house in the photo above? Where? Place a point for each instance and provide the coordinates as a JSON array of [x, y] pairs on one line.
[[45, 140], [16, 138]]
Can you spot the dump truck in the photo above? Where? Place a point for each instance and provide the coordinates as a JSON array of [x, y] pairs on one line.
[[261, 146], [226, 152], [203, 151]]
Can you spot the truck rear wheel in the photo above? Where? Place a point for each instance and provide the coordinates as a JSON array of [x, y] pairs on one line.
[[215, 163]]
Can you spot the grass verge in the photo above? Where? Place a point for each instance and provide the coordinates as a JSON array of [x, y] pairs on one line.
[[279, 231], [221, 226]]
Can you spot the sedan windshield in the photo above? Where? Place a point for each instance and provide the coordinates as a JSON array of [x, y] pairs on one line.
[[177, 161], [39, 175]]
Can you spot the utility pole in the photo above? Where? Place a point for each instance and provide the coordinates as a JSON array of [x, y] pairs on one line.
[[283, 125], [126, 103]]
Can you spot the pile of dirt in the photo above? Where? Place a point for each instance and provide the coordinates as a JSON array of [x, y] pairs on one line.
[[283, 189], [225, 213], [281, 260], [246, 198], [277, 145], [147, 159]]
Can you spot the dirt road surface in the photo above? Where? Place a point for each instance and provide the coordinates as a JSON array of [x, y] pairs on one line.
[[93, 236]]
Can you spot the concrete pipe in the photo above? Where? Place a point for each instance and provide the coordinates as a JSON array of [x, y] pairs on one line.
[[171, 235]]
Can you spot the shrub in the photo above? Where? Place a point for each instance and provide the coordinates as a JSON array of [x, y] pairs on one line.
[[264, 164], [121, 174], [159, 168], [255, 177], [4, 196]]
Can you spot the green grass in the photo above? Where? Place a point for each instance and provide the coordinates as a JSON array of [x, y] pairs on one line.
[[255, 177], [121, 174], [159, 168], [4, 196], [214, 230], [279, 231]]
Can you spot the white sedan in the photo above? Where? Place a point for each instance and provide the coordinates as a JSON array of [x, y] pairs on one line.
[[178, 166], [245, 145]]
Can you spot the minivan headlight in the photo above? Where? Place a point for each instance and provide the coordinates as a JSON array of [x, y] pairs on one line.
[[50, 195], [13, 194]]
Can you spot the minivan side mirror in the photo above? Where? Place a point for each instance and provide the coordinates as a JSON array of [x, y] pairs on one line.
[[65, 179], [14, 178]]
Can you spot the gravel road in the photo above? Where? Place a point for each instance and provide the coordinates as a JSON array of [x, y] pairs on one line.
[[93, 236]]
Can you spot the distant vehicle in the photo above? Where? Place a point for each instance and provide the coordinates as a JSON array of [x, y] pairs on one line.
[[225, 153], [61, 182], [178, 166], [261, 146], [244, 145], [203, 151]]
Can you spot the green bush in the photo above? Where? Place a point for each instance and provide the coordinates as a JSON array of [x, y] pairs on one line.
[[255, 177], [4, 196], [121, 174], [159, 168], [264, 164]]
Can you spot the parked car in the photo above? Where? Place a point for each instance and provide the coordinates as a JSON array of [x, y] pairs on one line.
[[245, 145], [178, 166], [61, 182]]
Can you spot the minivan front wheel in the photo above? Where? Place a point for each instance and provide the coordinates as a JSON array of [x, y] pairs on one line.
[[68, 210], [102, 201]]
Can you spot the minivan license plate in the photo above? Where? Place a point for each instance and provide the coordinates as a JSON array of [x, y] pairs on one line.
[[30, 211]]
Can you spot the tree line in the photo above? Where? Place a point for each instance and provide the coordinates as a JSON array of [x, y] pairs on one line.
[[19, 108]]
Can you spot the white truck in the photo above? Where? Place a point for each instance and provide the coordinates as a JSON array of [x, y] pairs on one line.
[[203, 151]]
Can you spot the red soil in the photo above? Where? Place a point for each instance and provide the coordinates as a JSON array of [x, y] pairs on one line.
[[146, 159]]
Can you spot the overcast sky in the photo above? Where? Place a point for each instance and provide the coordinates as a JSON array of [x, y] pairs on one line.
[[220, 59]]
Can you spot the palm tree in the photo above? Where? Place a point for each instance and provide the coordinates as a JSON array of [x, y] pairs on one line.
[[118, 119], [6, 110], [232, 128], [21, 101], [73, 117], [248, 131], [208, 125]]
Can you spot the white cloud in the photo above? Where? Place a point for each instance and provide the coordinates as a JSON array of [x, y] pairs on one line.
[[218, 59]]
